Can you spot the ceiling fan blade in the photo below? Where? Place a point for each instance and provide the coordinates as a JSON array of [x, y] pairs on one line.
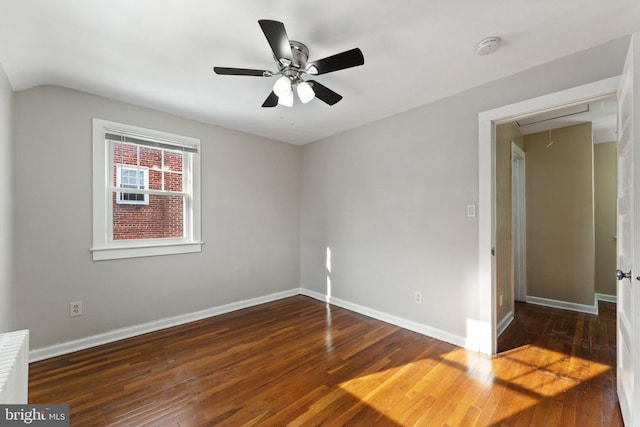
[[340, 61], [241, 72], [323, 93], [271, 101], [277, 37]]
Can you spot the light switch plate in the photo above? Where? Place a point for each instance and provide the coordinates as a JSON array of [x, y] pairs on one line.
[[471, 210]]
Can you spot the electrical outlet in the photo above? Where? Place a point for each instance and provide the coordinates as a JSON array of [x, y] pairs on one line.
[[417, 297], [75, 308]]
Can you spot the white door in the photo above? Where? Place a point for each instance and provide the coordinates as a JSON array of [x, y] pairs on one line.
[[628, 242]]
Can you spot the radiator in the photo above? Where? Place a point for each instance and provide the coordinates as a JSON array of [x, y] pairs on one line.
[[14, 367]]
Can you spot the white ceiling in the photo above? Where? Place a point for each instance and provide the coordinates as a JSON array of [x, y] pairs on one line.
[[160, 53]]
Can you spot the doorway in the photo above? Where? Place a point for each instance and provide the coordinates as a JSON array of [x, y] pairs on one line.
[[571, 168], [486, 209]]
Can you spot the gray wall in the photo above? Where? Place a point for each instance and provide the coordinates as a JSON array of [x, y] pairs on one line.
[[7, 288], [560, 233], [605, 216], [389, 198], [250, 217]]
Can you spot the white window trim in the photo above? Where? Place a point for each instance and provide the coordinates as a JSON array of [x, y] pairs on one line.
[[145, 175], [104, 248]]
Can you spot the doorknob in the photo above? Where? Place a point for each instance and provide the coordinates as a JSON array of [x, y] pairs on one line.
[[621, 274]]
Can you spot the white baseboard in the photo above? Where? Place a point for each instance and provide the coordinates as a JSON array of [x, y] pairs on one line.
[[583, 308], [156, 325], [131, 331], [314, 295], [606, 298], [504, 323], [394, 320]]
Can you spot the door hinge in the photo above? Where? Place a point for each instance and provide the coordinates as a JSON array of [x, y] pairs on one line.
[[493, 251]]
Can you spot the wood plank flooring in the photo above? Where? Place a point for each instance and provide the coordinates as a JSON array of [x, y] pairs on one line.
[[300, 362]]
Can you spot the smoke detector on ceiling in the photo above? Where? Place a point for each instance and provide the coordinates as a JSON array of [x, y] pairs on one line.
[[488, 45]]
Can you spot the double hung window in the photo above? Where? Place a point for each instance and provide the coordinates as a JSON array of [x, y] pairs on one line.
[[146, 192]]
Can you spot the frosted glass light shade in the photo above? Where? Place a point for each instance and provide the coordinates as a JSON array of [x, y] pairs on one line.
[[282, 87], [286, 100], [305, 92]]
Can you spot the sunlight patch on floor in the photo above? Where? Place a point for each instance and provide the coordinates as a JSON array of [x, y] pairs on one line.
[[434, 379], [562, 370]]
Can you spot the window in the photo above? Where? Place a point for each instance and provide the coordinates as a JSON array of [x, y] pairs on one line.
[[146, 188], [136, 178]]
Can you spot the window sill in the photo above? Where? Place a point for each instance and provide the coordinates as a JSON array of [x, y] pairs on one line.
[[121, 252]]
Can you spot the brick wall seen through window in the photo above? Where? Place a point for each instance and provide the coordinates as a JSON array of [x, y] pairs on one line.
[[163, 216]]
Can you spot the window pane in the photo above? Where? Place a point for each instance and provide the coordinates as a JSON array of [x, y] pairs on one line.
[[172, 181], [129, 179], [125, 154], [155, 179], [160, 164], [161, 218], [173, 161], [132, 197]]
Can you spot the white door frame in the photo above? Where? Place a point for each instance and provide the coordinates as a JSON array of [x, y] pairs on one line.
[[487, 121], [518, 224]]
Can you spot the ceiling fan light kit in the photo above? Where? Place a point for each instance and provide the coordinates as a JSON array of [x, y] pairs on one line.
[[291, 57], [305, 92], [286, 99], [282, 87]]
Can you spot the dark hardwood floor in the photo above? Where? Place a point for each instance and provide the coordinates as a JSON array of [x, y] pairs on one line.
[[300, 362]]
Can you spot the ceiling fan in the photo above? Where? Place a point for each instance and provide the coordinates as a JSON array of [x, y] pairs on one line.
[[291, 58]]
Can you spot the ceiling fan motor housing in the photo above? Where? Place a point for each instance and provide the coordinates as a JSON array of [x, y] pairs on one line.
[[300, 54]]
